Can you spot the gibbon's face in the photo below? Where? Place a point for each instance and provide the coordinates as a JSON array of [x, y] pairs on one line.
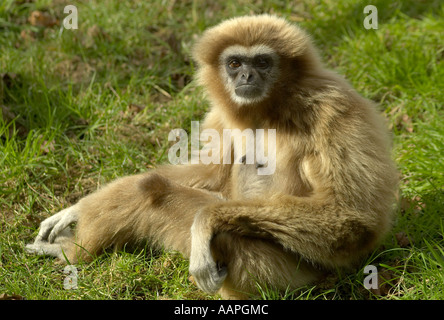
[[249, 72]]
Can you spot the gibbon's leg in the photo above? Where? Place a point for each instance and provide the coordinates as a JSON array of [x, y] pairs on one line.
[[196, 176], [127, 211], [319, 232]]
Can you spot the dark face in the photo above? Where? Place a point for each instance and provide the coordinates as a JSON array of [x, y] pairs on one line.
[[250, 75]]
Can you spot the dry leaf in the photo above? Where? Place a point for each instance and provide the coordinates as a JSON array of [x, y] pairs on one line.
[[135, 108], [414, 205], [407, 123], [28, 35], [8, 116], [403, 121], [42, 19], [7, 79], [403, 240], [181, 80], [75, 69], [47, 146], [5, 296], [92, 34], [384, 278]]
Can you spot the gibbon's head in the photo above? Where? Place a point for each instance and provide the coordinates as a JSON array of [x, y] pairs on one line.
[[249, 59]]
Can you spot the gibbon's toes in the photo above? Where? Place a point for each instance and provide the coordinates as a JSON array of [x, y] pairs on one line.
[[64, 217], [45, 229], [32, 248], [44, 248], [37, 248], [58, 228]]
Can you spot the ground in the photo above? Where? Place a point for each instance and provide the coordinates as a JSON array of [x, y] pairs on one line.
[[80, 107]]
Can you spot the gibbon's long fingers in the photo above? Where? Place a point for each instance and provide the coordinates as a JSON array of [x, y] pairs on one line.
[[46, 227], [207, 275], [44, 248], [319, 232], [70, 216]]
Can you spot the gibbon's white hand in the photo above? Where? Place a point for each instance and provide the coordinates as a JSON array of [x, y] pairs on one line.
[[206, 272]]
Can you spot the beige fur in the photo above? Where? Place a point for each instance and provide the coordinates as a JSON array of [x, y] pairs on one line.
[[327, 205]]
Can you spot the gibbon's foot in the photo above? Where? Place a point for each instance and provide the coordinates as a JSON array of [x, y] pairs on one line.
[[45, 248], [47, 241]]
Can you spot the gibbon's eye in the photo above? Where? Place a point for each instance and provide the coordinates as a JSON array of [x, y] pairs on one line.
[[234, 64], [261, 63]]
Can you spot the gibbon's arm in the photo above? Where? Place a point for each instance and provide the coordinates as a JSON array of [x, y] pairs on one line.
[[341, 221], [210, 177], [318, 231]]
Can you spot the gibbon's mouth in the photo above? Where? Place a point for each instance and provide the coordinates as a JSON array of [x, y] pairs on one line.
[[247, 86], [248, 91]]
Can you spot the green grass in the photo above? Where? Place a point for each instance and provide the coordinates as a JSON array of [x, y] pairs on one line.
[[71, 121]]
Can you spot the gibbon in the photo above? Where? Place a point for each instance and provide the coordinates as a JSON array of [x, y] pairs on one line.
[[328, 203]]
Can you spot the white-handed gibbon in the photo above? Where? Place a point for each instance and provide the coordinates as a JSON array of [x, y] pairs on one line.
[[327, 204]]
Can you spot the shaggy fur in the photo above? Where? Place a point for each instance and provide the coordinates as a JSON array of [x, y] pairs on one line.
[[327, 205]]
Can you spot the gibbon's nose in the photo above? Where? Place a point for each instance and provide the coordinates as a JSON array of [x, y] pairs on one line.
[[247, 76]]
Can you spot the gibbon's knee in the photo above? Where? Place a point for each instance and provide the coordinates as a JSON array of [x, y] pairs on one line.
[[253, 262], [155, 187]]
